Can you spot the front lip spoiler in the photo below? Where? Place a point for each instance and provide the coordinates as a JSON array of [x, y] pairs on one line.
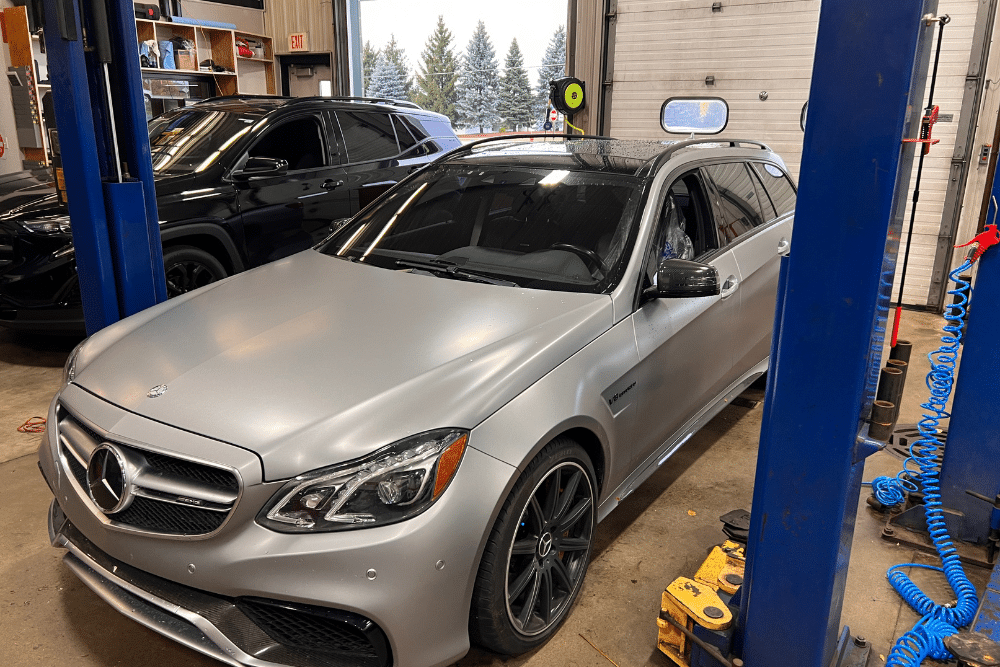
[[167, 618]]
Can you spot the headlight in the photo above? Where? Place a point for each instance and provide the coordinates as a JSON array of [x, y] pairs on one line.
[[393, 484], [49, 225], [69, 369]]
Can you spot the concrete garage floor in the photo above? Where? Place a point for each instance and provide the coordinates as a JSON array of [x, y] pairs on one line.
[[662, 531]]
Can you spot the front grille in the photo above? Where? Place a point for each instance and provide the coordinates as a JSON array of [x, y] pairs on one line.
[[189, 498], [194, 471], [160, 517], [78, 470], [280, 632]]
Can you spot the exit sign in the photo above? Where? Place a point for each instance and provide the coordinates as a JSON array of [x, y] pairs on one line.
[[298, 41]]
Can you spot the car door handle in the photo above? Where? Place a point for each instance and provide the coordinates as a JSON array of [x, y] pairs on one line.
[[331, 184], [728, 287], [784, 246]]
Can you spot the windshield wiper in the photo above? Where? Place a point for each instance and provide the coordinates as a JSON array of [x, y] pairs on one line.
[[441, 267]]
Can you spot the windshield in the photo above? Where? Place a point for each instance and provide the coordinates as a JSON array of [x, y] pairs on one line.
[[539, 228], [189, 140]]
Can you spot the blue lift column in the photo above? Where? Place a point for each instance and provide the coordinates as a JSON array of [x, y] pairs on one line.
[[830, 328], [974, 429], [100, 117]]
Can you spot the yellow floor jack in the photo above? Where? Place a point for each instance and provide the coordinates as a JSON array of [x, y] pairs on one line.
[[687, 603]]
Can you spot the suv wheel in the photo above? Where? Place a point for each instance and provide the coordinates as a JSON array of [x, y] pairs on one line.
[[188, 268], [537, 554]]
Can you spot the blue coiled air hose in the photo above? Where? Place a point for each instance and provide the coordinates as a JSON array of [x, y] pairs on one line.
[[926, 639]]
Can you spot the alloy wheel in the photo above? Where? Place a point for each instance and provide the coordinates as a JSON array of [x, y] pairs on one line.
[[186, 275], [550, 549]]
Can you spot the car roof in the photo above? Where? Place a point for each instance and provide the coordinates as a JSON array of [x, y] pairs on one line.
[[264, 104], [639, 157]]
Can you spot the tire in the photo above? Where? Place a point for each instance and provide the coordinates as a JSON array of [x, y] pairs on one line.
[[187, 268], [524, 572]]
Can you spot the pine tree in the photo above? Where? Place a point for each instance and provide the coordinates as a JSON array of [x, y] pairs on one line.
[[477, 88], [385, 81], [516, 100], [553, 67], [368, 57], [397, 57], [437, 74]]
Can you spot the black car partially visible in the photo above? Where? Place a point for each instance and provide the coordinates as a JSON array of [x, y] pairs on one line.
[[240, 181]]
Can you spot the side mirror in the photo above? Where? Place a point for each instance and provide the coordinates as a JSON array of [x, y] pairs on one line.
[[256, 167], [679, 278]]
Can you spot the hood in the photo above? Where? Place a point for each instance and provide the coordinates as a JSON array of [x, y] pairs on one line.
[[32, 195], [30, 198], [312, 360]]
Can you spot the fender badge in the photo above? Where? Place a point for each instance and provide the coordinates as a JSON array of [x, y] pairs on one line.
[[157, 391]]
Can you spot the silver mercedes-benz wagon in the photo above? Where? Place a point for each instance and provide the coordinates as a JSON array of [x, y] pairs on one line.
[[376, 451]]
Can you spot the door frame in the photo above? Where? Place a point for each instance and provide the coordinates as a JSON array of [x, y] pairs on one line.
[[300, 59]]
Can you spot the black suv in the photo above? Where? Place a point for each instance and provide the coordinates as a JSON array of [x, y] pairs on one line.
[[240, 181]]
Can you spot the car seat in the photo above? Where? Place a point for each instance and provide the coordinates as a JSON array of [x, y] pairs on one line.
[[676, 243]]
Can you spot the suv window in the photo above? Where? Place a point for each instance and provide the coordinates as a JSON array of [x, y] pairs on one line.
[[190, 139], [368, 135], [431, 127], [299, 142], [415, 129], [740, 209], [778, 187], [406, 140], [410, 137]]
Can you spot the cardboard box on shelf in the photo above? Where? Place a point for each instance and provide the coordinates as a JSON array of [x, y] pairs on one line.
[[185, 60]]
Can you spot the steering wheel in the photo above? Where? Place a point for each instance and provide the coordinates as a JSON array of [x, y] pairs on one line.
[[586, 254]]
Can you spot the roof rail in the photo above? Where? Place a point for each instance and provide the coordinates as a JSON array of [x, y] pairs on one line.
[[467, 148], [507, 137], [733, 143], [220, 98], [375, 100], [314, 98]]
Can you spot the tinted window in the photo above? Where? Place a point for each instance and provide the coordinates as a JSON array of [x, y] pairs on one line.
[[299, 142], [778, 187], [740, 208], [368, 135], [406, 140], [434, 127], [188, 140], [414, 127]]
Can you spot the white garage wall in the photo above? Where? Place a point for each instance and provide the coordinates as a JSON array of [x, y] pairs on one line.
[[666, 48], [976, 183], [955, 50]]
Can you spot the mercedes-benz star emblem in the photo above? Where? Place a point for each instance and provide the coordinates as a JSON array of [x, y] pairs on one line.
[[108, 480], [157, 391], [544, 545]]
